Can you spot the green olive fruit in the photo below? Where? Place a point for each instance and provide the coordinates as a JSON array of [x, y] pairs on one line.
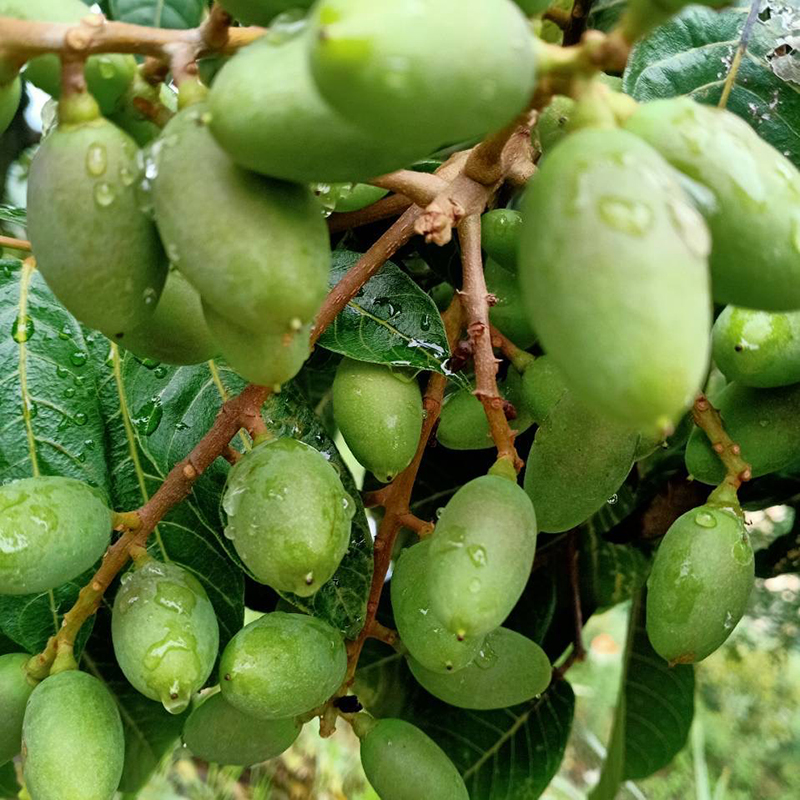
[[609, 573], [267, 113], [72, 740], [97, 251], [220, 733], [261, 12], [501, 230], [165, 633], [137, 125], [15, 689], [551, 126], [509, 313], [9, 102], [624, 313], [508, 669], [757, 348], [107, 75], [765, 423], [379, 412], [177, 332], [403, 763], [468, 70], [51, 529], [463, 424], [577, 461], [288, 515], [755, 257], [235, 251], [481, 555], [354, 197], [421, 632], [542, 387], [700, 584], [282, 665], [268, 359]]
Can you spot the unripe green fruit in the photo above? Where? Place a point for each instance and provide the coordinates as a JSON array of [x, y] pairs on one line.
[[481, 555], [542, 387], [463, 424], [177, 332], [755, 257], [15, 689], [282, 665], [469, 69], [72, 741], [267, 359], [97, 251], [354, 197], [551, 127], [700, 584], [288, 515], [128, 117], [261, 12], [217, 732], [638, 285], [403, 763], [269, 116], [422, 633], [757, 348], [577, 461], [107, 75], [51, 529], [501, 230], [9, 102], [765, 423], [508, 669], [235, 251], [165, 633], [509, 314], [379, 413]]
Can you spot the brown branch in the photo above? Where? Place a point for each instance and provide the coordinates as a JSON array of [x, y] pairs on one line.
[[16, 244], [382, 633], [176, 487], [385, 208], [420, 526], [474, 297], [558, 16], [516, 355], [421, 187]]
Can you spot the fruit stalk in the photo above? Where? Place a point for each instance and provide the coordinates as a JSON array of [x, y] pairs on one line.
[[421, 187]]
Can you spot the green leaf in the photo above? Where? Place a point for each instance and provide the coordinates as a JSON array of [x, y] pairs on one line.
[[16, 216], [390, 321], [8, 780], [691, 55], [158, 13], [605, 14]]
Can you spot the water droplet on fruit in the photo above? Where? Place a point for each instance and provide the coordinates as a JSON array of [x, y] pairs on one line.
[[705, 519], [149, 295], [104, 194], [613, 499], [486, 657], [96, 159], [628, 216], [22, 329], [173, 254], [126, 176], [439, 512], [477, 555], [176, 702], [78, 358]]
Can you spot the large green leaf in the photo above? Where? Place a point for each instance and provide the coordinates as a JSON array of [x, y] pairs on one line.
[[16, 216], [158, 13], [605, 14], [390, 321], [8, 780], [691, 55]]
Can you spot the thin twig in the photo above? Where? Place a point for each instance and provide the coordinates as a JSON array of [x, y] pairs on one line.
[[516, 355], [733, 71], [386, 208], [15, 244], [421, 187]]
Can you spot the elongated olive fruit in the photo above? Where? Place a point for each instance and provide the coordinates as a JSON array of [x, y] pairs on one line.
[[501, 230], [463, 424], [379, 413], [577, 461], [220, 733], [755, 257], [9, 102], [96, 249], [177, 332], [235, 251], [765, 423], [288, 515], [165, 633], [757, 348], [551, 127], [509, 313], [424, 635], [481, 555], [72, 741], [282, 665], [268, 115], [471, 73], [508, 669], [641, 354], [51, 530], [15, 689], [403, 763], [542, 387], [700, 584]]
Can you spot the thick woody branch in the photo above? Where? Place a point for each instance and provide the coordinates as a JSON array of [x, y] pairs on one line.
[[421, 187]]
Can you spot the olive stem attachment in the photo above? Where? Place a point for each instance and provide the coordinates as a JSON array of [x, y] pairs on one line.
[[421, 187], [420, 526], [519, 358], [707, 417]]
